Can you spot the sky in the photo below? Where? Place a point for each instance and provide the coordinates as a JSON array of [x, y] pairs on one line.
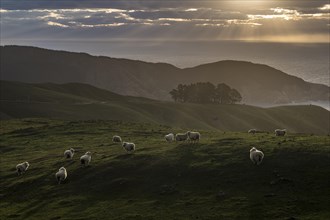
[[179, 32]]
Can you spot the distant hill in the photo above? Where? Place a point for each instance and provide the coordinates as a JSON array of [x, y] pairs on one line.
[[76, 101], [258, 84]]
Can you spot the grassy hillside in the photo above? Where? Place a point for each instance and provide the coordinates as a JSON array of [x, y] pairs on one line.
[[258, 84], [80, 101], [213, 179]]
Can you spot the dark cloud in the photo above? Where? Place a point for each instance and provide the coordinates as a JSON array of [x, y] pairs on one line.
[[154, 4], [124, 4]]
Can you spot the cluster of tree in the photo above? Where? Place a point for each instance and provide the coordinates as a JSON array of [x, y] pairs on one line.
[[206, 92]]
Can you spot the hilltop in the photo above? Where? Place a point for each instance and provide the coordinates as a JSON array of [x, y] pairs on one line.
[[75, 101], [258, 84]]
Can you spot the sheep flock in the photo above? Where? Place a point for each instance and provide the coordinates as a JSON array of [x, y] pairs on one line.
[[256, 156]]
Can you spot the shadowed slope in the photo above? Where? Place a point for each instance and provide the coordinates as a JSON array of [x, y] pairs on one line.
[[81, 101]]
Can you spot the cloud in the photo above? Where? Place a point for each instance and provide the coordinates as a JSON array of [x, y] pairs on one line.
[[174, 19], [101, 25], [104, 17], [325, 7], [167, 23], [284, 11], [191, 9], [288, 14], [51, 23]]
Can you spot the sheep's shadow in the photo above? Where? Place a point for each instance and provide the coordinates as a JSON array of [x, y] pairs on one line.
[[124, 156]]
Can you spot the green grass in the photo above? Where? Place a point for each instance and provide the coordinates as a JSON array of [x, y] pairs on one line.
[[213, 179], [76, 101]]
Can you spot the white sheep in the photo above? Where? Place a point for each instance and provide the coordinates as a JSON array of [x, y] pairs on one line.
[[68, 154], [61, 175], [256, 156], [129, 147], [181, 137], [252, 131], [22, 167], [194, 136], [86, 158], [116, 139], [169, 137], [280, 132]]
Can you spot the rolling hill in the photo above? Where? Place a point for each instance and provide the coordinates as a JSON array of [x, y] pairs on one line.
[[209, 180], [76, 101], [258, 84]]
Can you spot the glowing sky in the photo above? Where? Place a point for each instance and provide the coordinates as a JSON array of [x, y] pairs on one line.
[[271, 21]]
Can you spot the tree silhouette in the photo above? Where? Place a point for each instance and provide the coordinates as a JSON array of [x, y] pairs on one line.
[[235, 96], [205, 92], [175, 95], [222, 94]]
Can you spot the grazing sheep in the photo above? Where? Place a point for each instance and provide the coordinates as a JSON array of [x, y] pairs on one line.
[[252, 131], [280, 132], [181, 137], [116, 139], [68, 154], [129, 147], [22, 167], [256, 156], [194, 136], [61, 175], [169, 137], [86, 158]]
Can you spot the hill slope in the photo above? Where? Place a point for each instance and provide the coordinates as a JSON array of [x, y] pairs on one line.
[[259, 84], [81, 101], [213, 179]]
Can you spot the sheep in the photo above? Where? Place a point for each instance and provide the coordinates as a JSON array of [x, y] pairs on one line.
[[252, 131], [280, 132], [181, 137], [68, 154], [129, 147], [256, 156], [169, 137], [86, 158], [116, 139], [22, 167], [61, 175], [194, 136]]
